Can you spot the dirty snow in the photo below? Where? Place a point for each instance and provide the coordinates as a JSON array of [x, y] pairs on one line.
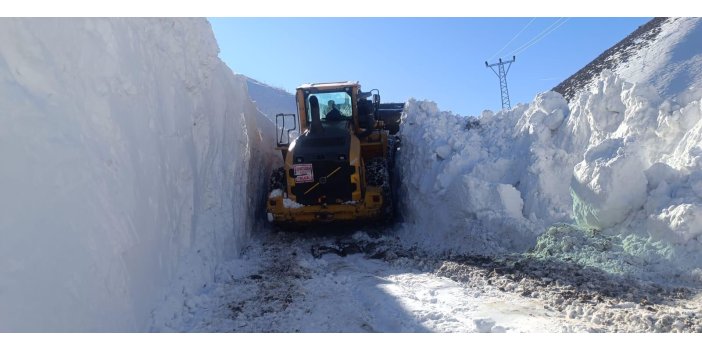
[[353, 283], [361, 282]]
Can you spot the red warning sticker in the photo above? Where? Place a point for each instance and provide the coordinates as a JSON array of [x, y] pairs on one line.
[[303, 173]]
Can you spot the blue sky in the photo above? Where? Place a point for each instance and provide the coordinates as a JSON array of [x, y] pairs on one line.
[[439, 59]]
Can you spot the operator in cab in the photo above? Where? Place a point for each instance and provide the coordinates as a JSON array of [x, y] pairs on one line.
[[334, 114]]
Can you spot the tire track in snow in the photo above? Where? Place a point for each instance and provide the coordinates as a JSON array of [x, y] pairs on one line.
[[605, 302], [291, 282]]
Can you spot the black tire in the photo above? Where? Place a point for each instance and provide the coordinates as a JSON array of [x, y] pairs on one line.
[[377, 174], [277, 180]]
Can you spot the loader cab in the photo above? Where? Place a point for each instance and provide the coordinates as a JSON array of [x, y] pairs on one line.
[[330, 101], [337, 104], [356, 114], [341, 96]]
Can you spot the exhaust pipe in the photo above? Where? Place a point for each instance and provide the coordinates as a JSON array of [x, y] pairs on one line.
[[316, 126]]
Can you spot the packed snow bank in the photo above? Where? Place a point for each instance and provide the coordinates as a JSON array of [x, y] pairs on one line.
[[478, 185], [130, 154], [619, 159]]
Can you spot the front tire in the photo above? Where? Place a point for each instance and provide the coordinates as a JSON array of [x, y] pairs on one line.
[[377, 174], [277, 180]]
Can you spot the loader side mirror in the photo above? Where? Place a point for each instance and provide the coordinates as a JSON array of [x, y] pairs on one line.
[[283, 132]]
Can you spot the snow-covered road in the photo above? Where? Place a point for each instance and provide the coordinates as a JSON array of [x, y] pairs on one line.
[[360, 282]]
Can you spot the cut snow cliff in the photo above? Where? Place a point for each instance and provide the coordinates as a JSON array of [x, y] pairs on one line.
[[129, 152]]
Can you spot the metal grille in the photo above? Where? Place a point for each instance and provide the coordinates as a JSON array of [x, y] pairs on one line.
[[331, 184]]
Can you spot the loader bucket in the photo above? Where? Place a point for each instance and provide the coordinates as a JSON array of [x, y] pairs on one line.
[[390, 114]]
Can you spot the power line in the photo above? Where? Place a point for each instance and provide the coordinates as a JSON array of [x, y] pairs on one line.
[[544, 36], [513, 38], [540, 36]]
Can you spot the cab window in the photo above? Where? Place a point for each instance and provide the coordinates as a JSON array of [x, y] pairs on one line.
[[329, 101]]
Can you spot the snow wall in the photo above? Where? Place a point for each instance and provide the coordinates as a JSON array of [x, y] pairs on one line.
[[619, 163], [129, 154]]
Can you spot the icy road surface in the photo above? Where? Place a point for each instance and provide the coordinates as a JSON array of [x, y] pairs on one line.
[[357, 283]]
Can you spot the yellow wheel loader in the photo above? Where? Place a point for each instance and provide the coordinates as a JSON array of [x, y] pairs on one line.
[[339, 166]]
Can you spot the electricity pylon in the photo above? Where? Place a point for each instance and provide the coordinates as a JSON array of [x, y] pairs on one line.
[[501, 73]]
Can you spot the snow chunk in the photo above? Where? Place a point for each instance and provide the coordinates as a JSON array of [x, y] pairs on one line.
[[684, 221], [443, 151], [511, 200], [287, 203], [607, 185]]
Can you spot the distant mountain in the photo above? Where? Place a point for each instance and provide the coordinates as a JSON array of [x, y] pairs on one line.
[[269, 100], [665, 53]]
